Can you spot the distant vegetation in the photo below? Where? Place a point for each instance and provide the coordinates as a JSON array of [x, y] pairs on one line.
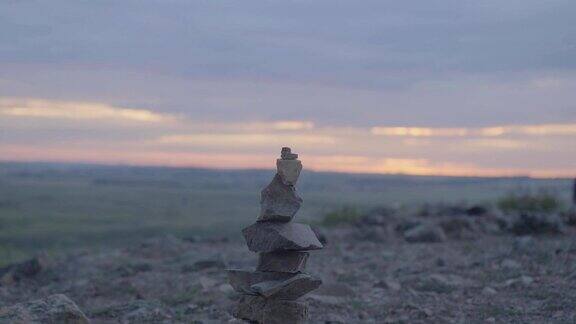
[[55, 207], [343, 215], [526, 201]]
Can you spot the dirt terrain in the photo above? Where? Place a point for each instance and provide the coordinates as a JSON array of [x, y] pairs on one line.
[[381, 268]]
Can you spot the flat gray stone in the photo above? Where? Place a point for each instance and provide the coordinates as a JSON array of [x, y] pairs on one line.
[[271, 236], [52, 309], [243, 280], [290, 289], [425, 233], [282, 261], [289, 171], [270, 311], [278, 201]]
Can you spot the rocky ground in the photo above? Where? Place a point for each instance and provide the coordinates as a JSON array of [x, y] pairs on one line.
[[439, 267]]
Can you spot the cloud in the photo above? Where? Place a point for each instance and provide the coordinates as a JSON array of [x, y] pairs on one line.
[[355, 43], [493, 131], [42, 129], [38, 108], [250, 140]]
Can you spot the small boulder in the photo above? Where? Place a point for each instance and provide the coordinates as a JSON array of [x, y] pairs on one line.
[[426, 233], [457, 227], [476, 210], [389, 284], [534, 223], [27, 269], [570, 216], [52, 309]]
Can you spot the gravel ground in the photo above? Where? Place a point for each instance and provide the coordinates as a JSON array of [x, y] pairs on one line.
[[371, 274]]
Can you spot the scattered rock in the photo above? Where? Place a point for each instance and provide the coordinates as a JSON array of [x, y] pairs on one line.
[[389, 284], [52, 309], [336, 289], [270, 236], [138, 311], [532, 223], [570, 216], [440, 283], [489, 291], [131, 269], [457, 227], [282, 261], [509, 264], [476, 210], [207, 283], [27, 269], [407, 224], [425, 233], [521, 281], [279, 202], [440, 262], [524, 244]]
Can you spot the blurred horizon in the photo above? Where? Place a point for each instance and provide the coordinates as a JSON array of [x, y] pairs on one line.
[[71, 165], [447, 88]]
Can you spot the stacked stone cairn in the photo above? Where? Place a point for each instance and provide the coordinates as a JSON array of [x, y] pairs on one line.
[[270, 294]]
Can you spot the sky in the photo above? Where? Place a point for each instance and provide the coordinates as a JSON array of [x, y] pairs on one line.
[[428, 87]]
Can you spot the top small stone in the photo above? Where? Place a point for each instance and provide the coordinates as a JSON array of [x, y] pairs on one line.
[[286, 154]]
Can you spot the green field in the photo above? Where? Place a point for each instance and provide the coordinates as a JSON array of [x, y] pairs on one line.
[[55, 207]]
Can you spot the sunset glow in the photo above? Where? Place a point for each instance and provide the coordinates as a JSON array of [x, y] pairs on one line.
[[178, 141]]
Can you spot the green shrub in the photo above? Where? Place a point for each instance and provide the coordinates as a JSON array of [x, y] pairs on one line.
[[544, 202], [343, 215]]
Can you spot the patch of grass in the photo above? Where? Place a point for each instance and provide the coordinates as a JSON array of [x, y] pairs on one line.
[[10, 254], [541, 202], [343, 215]]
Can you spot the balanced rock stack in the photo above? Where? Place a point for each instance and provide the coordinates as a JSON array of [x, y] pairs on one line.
[[270, 294]]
